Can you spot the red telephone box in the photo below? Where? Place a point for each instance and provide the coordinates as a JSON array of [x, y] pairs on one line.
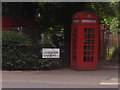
[[102, 42], [84, 41]]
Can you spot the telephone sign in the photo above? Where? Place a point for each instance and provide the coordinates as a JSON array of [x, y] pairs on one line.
[[89, 21]]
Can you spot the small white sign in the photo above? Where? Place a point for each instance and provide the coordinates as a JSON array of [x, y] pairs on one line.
[[50, 53], [89, 21]]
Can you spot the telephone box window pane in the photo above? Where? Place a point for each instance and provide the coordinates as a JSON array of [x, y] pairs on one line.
[[92, 31], [85, 30], [92, 35], [88, 48], [86, 36], [88, 52], [85, 47], [88, 59], [89, 30], [89, 35], [85, 41], [85, 53], [88, 41], [92, 53], [92, 47], [84, 59]]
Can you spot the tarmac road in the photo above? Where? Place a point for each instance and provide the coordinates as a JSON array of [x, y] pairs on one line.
[[104, 77]]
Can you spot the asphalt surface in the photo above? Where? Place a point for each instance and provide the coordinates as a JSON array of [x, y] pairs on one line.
[[104, 77]]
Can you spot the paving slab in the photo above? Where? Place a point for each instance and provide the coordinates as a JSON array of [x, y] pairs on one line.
[[62, 78]]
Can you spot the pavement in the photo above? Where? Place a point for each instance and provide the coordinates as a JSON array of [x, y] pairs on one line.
[[105, 77]]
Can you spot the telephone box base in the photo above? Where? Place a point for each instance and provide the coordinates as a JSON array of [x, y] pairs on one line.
[[95, 67]]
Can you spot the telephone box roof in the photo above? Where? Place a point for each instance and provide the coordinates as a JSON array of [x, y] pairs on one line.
[[84, 14]]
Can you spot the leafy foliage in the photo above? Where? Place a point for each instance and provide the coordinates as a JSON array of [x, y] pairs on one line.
[[108, 13], [48, 64], [55, 17], [17, 56], [44, 43], [52, 13], [116, 54], [55, 14]]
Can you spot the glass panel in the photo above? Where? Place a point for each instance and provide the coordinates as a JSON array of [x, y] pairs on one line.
[[92, 47], [85, 47], [88, 59], [86, 36], [88, 47], [85, 30], [85, 53], [84, 59]]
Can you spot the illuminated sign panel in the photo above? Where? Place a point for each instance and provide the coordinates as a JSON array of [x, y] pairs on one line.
[[88, 21], [84, 21]]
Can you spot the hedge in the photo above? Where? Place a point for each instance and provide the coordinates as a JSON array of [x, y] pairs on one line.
[[116, 54], [17, 56]]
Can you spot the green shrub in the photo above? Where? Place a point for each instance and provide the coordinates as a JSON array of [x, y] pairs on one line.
[[15, 54], [109, 53], [23, 61], [45, 43], [116, 54], [48, 64]]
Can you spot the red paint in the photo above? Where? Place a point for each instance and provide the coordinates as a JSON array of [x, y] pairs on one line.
[[102, 41], [10, 22], [84, 41]]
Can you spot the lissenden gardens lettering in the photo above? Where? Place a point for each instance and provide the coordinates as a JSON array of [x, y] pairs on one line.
[[50, 53]]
